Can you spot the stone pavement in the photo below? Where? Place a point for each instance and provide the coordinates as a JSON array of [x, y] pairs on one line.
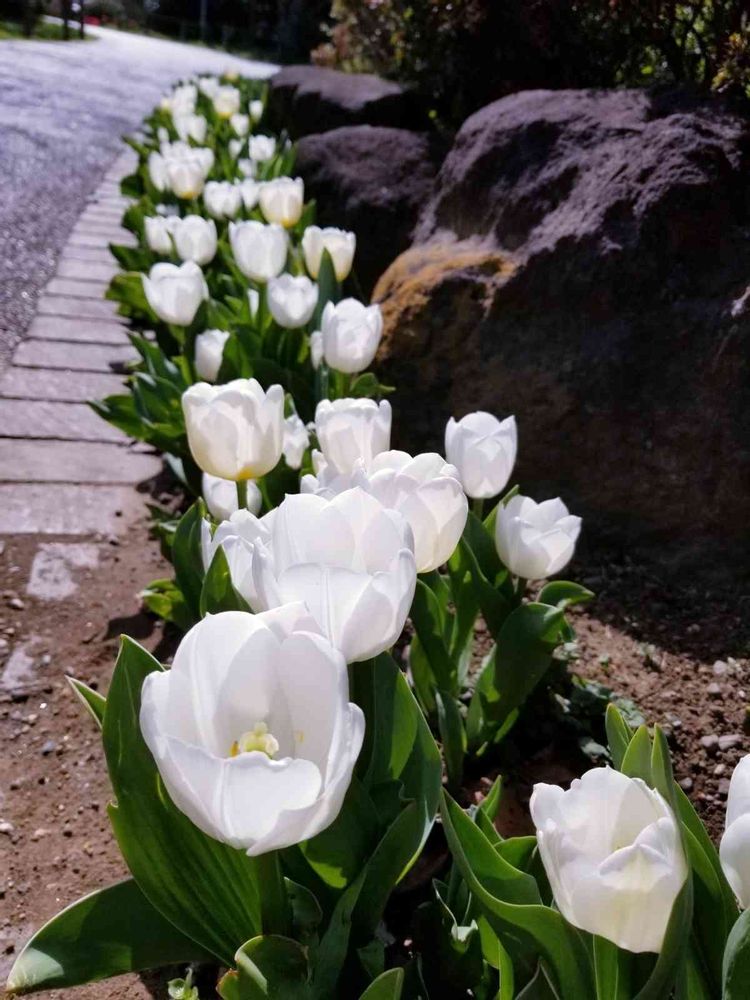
[[64, 470]]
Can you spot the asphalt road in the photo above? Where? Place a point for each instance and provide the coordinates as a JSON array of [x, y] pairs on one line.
[[63, 108]]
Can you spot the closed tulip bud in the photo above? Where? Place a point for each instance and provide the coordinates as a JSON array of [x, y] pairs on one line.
[[246, 168], [235, 147], [252, 729], [209, 351], [159, 231], [186, 177], [235, 431], [191, 126], [222, 199], [250, 190], [339, 243], [260, 251], [209, 85], [175, 293], [261, 147], [292, 300], [352, 429], [349, 560], [535, 540], [253, 301], [282, 200], [351, 335], [226, 101], [316, 349], [483, 449], [195, 239], [613, 855], [240, 124], [256, 110], [157, 171], [182, 100], [221, 498], [735, 844], [296, 440], [205, 158]]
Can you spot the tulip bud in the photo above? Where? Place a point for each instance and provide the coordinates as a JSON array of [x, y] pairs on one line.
[[735, 844], [222, 199], [157, 171], [483, 449], [256, 110], [240, 124], [175, 293], [296, 440], [352, 429], [238, 536], [195, 239], [259, 251], [247, 169], [235, 431], [261, 757], [226, 101], [612, 851], [158, 231], [339, 243], [316, 349], [235, 147], [209, 350], [282, 200], [190, 126], [186, 177], [221, 498], [351, 334], [292, 300], [261, 147], [209, 85], [250, 190], [535, 540]]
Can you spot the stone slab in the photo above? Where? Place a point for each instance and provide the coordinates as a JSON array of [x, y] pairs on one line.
[[89, 242], [53, 572], [90, 255], [102, 232], [83, 270], [41, 418], [77, 357], [79, 330], [76, 288], [67, 509], [63, 305], [74, 462], [58, 384]]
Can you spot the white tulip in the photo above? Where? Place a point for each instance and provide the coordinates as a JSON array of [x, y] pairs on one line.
[[316, 349], [296, 440], [612, 852], [425, 490], [483, 449], [195, 239], [535, 540], [339, 243], [255, 109], [162, 134], [221, 497], [186, 176], [246, 167], [226, 101], [205, 158], [253, 302], [735, 844], [235, 147], [190, 126], [282, 200], [260, 251], [292, 300], [252, 729], [250, 190], [240, 124], [351, 335], [238, 536], [261, 147], [209, 350], [222, 199], [182, 100], [159, 229], [157, 171], [235, 431], [349, 560], [352, 429], [175, 292], [209, 85]]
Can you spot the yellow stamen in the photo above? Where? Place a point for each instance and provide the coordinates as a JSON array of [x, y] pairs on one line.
[[257, 738]]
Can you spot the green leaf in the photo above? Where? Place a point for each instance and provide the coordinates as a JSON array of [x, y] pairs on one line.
[[328, 287], [187, 558], [618, 735], [166, 600], [385, 987], [736, 968], [92, 701], [562, 594], [218, 593], [272, 967], [427, 619], [206, 889], [107, 933], [452, 736], [494, 604]]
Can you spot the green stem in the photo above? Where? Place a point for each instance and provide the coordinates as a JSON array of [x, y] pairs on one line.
[[477, 505], [241, 485], [267, 504], [520, 587], [274, 903]]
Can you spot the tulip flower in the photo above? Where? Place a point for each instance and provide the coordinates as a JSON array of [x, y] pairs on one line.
[[351, 334], [209, 85], [282, 200], [260, 251], [349, 560], [261, 147], [735, 844], [158, 230], [222, 199], [352, 429], [221, 497], [246, 168], [425, 490], [339, 243], [535, 540], [186, 177], [296, 440], [613, 855], [483, 449], [182, 100], [175, 292], [190, 126], [250, 190], [209, 348], [157, 171], [195, 239], [235, 431], [237, 535], [255, 108], [316, 349], [240, 124], [235, 147], [292, 300], [226, 101], [252, 729]]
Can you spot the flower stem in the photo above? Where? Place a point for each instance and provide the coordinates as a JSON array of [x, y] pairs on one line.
[[241, 485], [274, 903], [477, 505]]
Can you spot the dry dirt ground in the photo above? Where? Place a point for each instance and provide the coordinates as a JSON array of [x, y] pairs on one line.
[[680, 653]]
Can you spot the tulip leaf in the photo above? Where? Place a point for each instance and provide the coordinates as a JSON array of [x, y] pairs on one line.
[[218, 593], [107, 933], [736, 968], [334, 945], [493, 603], [206, 889], [187, 558], [328, 287], [271, 967], [92, 701], [452, 736], [619, 735], [428, 623], [387, 986], [422, 677], [563, 594]]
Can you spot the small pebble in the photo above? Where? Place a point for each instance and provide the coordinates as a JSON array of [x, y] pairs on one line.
[[686, 784], [49, 747], [730, 740], [713, 690], [6, 827], [710, 742]]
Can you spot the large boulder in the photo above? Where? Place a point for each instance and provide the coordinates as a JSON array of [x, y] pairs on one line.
[[309, 99], [582, 264], [374, 181]]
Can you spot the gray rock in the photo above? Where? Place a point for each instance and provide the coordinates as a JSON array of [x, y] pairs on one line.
[[729, 741]]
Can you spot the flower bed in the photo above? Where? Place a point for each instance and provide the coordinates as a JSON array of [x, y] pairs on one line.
[[278, 786]]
